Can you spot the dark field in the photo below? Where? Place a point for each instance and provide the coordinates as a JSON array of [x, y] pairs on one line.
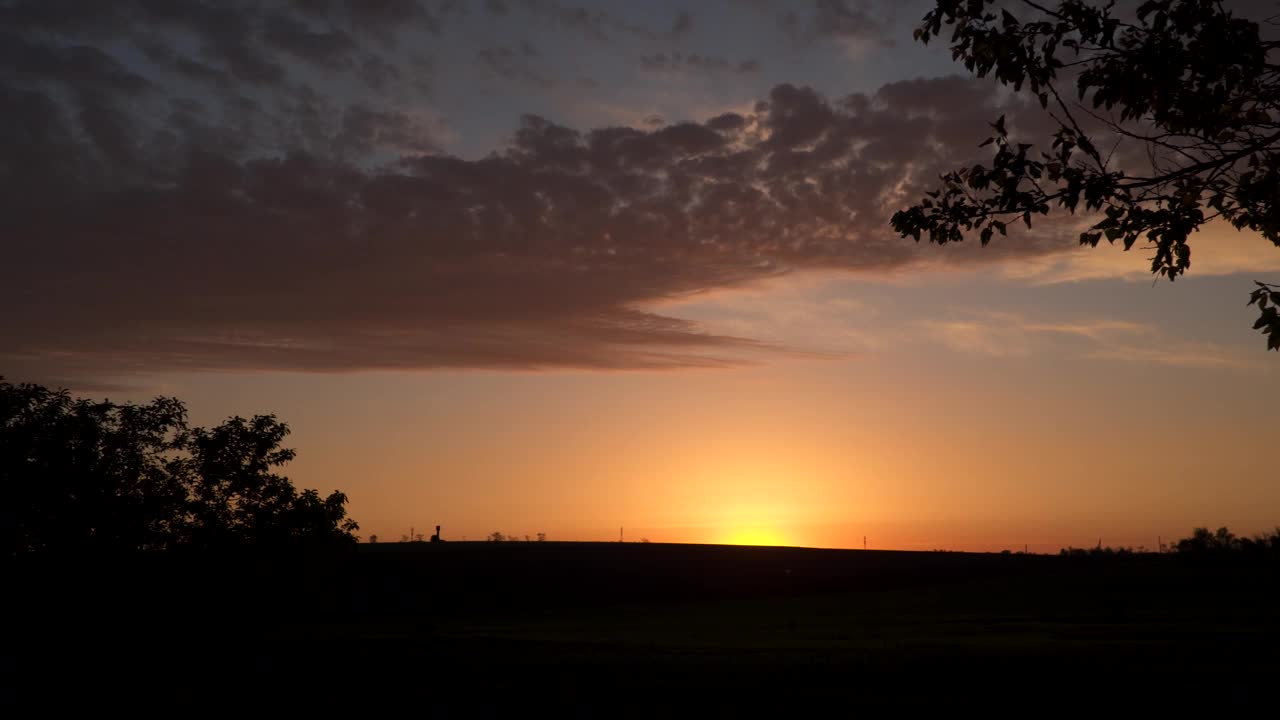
[[564, 619]]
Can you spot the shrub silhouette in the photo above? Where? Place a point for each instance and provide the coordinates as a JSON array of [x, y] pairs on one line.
[[1222, 541], [87, 475]]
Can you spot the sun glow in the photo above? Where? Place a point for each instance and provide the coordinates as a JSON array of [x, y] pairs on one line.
[[755, 536]]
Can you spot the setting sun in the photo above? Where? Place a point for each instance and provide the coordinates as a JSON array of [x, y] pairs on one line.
[[755, 536]]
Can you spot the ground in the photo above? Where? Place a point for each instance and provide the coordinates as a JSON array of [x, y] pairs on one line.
[[572, 620]]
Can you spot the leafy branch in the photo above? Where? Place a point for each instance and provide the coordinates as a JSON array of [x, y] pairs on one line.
[[1188, 81]]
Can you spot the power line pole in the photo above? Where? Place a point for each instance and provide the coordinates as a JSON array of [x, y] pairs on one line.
[[864, 542]]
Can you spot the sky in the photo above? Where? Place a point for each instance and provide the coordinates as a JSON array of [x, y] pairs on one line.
[[568, 267]]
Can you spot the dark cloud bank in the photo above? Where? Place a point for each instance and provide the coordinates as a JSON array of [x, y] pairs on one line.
[[184, 185]]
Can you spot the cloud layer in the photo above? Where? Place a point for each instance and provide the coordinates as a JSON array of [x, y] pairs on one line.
[[192, 185]]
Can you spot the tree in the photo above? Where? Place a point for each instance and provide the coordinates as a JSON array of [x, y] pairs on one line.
[[1203, 541], [78, 473], [1175, 121], [85, 475]]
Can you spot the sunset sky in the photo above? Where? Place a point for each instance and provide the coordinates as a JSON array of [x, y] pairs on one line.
[[553, 266]]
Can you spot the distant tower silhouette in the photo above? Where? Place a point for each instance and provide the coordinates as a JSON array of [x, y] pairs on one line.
[[436, 537]]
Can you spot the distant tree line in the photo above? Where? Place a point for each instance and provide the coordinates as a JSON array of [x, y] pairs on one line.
[[1202, 542], [500, 537], [83, 475]]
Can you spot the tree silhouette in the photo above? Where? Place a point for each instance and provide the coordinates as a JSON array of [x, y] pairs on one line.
[[1202, 540], [1175, 121], [1206, 542], [87, 475]]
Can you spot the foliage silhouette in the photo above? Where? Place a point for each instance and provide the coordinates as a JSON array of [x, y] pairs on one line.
[[1219, 544], [1222, 541], [1175, 122], [83, 475]]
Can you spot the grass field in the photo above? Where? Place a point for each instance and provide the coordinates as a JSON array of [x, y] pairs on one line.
[[567, 617]]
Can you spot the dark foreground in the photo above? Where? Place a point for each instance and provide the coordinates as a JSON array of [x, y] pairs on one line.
[[552, 622]]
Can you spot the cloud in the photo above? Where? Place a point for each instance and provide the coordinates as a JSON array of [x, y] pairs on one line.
[[1013, 335], [263, 216], [516, 64], [856, 24], [1184, 355], [682, 24], [592, 22], [247, 43], [1093, 330], [994, 336], [843, 18], [695, 63]]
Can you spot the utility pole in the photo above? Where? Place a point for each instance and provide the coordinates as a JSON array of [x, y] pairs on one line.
[[619, 533], [864, 542]]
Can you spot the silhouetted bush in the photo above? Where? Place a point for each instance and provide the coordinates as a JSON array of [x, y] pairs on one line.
[[82, 475], [1223, 541], [1095, 552]]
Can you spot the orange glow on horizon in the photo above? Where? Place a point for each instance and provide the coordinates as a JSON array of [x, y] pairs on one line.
[[755, 536]]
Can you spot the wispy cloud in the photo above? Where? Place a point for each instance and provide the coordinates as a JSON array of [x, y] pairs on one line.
[[1013, 335], [1177, 354], [979, 337]]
